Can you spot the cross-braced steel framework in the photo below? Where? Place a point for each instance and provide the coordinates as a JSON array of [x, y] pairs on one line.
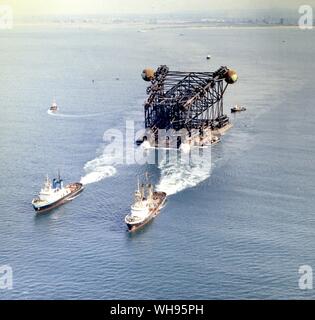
[[190, 100]]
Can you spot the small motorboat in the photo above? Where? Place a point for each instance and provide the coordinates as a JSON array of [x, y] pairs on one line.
[[238, 108], [53, 107]]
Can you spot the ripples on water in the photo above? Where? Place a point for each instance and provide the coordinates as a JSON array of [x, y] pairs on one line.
[[237, 225]]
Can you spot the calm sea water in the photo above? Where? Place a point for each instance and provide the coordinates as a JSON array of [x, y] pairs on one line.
[[237, 227]]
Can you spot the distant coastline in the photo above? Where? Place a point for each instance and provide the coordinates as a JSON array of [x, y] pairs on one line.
[[151, 22], [150, 27]]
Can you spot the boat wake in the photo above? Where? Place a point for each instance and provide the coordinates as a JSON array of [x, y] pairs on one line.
[[180, 174], [63, 115], [97, 170]]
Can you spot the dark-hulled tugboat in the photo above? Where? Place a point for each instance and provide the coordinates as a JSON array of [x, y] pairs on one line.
[[238, 108], [147, 206], [55, 194]]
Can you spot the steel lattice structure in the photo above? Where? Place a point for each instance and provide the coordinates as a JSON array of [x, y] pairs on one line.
[[190, 100]]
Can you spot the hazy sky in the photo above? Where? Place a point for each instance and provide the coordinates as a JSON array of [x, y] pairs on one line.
[[144, 6]]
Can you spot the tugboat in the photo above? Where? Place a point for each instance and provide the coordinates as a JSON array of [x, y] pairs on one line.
[[147, 206], [55, 194], [53, 107], [238, 108], [215, 140]]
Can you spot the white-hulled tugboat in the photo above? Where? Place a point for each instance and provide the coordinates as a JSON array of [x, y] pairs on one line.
[[55, 194], [53, 107], [238, 108], [147, 205]]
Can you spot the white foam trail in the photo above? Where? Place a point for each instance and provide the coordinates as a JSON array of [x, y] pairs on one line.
[[96, 176], [178, 175], [97, 170], [62, 115]]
